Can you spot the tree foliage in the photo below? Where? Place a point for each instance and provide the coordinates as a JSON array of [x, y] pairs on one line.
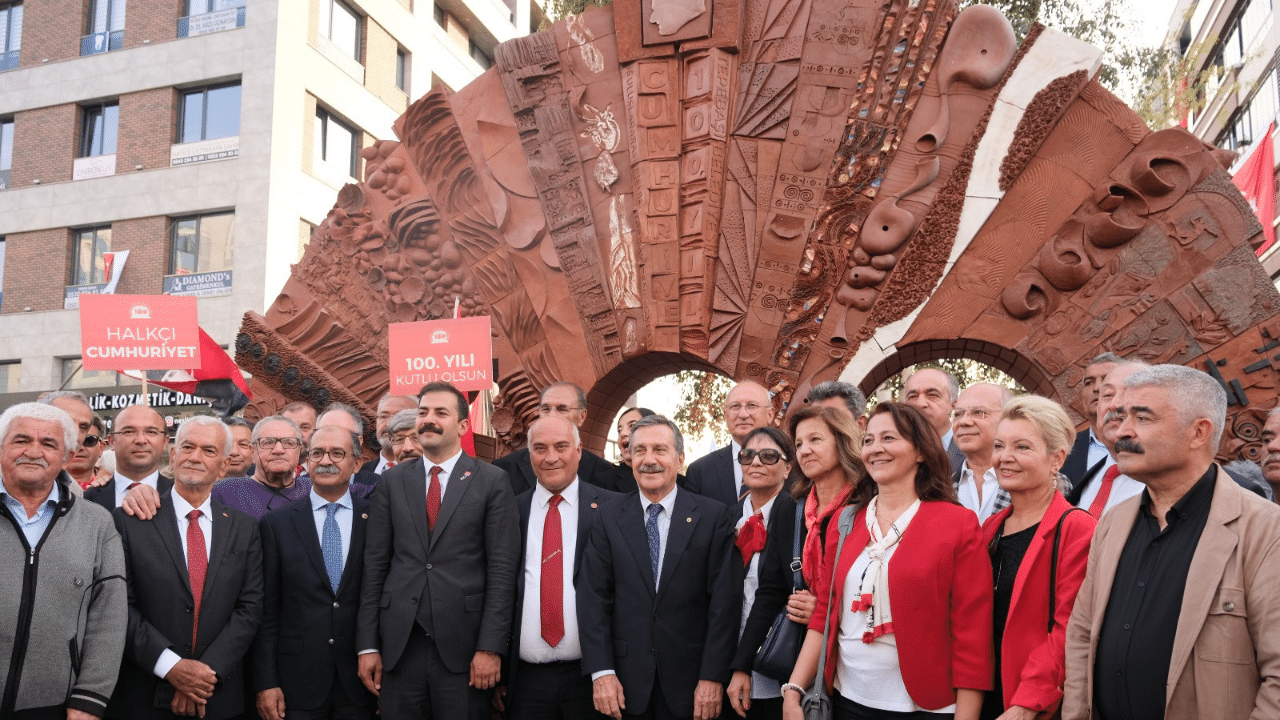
[[701, 408]]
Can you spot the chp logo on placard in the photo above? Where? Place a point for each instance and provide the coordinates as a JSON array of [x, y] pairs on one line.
[[459, 352], [142, 332]]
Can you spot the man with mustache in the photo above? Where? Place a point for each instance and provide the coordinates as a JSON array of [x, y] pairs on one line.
[[442, 552], [1102, 490], [400, 436], [1178, 614], [1271, 463], [388, 407], [624, 478], [62, 590], [313, 563], [1088, 454]]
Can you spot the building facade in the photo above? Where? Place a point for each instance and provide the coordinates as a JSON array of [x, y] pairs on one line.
[[204, 137]]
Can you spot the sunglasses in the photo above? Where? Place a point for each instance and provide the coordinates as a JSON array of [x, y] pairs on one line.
[[91, 440], [768, 456]]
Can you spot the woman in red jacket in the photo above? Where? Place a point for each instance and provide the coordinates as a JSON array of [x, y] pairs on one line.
[[926, 654], [1030, 446]]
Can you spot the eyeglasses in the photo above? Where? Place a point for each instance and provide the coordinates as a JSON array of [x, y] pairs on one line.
[[91, 441], [268, 443], [337, 455], [976, 414], [546, 409], [768, 456], [130, 433], [736, 408]]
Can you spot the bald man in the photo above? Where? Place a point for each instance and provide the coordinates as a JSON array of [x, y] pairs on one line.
[[138, 438], [718, 475]]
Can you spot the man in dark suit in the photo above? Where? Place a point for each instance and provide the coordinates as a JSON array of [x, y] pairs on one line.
[[568, 401], [441, 557], [304, 659], [388, 407], [544, 675], [195, 591], [934, 392], [1088, 455], [718, 475], [346, 417], [138, 438], [658, 613]]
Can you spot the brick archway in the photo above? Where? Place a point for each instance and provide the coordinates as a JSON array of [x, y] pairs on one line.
[[607, 396], [1016, 365]]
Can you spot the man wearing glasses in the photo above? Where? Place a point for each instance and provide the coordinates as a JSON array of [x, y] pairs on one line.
[[570, 402], [304, 658], [138, 438], [718, 475]]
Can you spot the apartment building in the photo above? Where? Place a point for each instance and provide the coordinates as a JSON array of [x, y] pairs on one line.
[[1241, 95], [204, 137]]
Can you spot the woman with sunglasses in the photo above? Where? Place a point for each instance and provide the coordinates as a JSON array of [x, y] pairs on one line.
[[826, 457], [928, 653], [1031, 444], [765, 457]]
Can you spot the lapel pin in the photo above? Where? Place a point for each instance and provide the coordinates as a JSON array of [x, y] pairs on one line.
[[364, 516], [688, 519], [225, 515], [593, 506]]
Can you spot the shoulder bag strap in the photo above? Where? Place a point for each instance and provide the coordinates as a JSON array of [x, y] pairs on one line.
[[797, 577], [847, 516], [1053, 566]]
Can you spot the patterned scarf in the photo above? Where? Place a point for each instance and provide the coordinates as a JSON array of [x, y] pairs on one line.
[[811, 560], [874, 595]]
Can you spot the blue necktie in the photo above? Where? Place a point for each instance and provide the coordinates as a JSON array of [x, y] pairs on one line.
[[331, 547], [655, 540]]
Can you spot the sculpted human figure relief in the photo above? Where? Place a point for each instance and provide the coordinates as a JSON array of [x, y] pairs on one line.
[[671, 15]]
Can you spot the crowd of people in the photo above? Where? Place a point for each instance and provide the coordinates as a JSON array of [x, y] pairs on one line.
[[962, 554]]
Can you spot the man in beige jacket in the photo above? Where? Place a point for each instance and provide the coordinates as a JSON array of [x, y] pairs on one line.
[[1179, 613]]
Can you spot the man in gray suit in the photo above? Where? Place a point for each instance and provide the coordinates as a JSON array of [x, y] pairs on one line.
[[441, 555]]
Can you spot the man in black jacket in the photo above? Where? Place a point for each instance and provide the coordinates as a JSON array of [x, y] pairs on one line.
[[570, 402]]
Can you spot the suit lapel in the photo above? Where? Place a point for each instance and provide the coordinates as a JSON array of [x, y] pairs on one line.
[[305, 526], [632, 521], [726, 471], [166, 524], [588, 512], [457, 487], [524, 503], [221, 520], [1205, 574], [414, 488], [526, 470], [684, 519], [359, 521]]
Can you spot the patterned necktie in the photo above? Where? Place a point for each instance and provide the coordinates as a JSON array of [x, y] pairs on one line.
[[655, 540], [331, 546], [433, 498], [197, 566], [552, 588], [1104, 491]]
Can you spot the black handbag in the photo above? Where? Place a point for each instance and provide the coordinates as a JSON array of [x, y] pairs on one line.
[[777, 655]]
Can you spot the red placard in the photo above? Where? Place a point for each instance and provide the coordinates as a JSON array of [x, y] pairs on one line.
[[459, 352], [139, 332]]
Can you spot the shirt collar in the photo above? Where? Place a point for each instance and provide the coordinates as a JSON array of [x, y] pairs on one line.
[[765, 510], [668, 503], [446, 467], [1093, 440], [181, 507], [53, 498], [966, 473], [1200, 494], [569, 496], [318, 502], [151, 479]]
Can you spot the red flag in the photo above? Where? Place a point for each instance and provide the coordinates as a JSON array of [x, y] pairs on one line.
[[216, 379], [1256, 179]]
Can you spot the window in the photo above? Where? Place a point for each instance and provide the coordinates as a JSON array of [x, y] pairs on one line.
[[479, 55], [335, 145], [75, 377], [99, 134], [89, 266], [106, 27], [402, 70], [202, 243], [6, 151], [215, 23], [10, 376], [10, 35], [209, 113], [1251, 121], [340, 25]]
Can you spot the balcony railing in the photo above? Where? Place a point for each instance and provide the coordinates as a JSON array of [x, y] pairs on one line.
[[9, 60], [216, 21], [101, 42], [4, 179]]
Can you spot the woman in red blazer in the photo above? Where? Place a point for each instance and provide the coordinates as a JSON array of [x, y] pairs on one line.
[[1030, 446], [910, 608]]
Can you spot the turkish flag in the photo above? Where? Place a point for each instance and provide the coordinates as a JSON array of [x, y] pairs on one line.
[[1256, 179], [218, 379]]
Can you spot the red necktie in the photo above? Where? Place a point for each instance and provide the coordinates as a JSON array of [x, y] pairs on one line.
[[391, 464], [552, 596], [433, 498], [1104, 491], [132, 486], [751, 537], [197, 566]]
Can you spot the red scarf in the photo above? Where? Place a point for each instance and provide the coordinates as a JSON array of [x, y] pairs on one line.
[[812, 562], [751, 537]]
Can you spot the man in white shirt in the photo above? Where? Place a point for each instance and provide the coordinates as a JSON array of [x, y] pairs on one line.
[[934, 392], [718, 475], [1108, 487], [976, 415], [138, 437], [1088, 454], [557, 516]]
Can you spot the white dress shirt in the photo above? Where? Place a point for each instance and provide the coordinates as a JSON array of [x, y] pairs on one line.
[[734, 449], [343, 517], [533, 649], [181, 507], [1122, 489], [446, 469], [1097, 451], [123, 483], [761, 686], [383, 464], [968, 492]]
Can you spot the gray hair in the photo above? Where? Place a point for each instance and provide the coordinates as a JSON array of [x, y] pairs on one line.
[[343, 407], [44, 413], [401, 421], [205, 421], [953, 385], [1106, 357], [353, 437], [237, 421], [577, 391], [257, 429], [848, 392], [1194, 393], [49, 397], [1250, 472], [660, 421]]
